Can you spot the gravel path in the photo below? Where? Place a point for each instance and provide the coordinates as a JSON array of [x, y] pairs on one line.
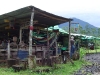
[[93, 69]]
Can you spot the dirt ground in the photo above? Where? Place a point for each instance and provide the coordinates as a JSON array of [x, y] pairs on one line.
[[93, 69]]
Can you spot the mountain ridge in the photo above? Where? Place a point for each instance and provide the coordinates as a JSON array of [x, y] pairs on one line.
[[81, 22], [82, 26]]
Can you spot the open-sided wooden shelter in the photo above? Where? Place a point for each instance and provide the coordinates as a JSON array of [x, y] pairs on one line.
[[30, 18]]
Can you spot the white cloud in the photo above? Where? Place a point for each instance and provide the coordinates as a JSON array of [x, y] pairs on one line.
[[78, 6]]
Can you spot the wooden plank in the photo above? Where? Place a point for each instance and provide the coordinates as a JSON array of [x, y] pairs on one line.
[[38, 58], [3, 61]]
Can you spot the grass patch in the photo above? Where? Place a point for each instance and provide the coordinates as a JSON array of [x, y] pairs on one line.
[[94, 51]]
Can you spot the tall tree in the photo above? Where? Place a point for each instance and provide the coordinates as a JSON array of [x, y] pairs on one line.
[[88, 32], [93, 31], [66, 29], [98, 32], [81, 30], [72, 30]]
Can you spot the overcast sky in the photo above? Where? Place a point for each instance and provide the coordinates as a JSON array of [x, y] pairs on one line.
[[86, 10]]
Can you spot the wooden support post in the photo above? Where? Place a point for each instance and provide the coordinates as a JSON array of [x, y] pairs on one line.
[[47, 39], [56, 45], [30, 62], [30, 33], [56, 48], [69, 37], [68, 57], [8, 51], [46, 51], [47, 44], [20, 34]]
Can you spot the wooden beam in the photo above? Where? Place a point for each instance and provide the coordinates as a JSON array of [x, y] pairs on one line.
[[8, 51], [30, 33], [20, 35], [69, 36]]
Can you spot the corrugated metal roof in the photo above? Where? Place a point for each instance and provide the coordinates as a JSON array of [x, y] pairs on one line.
[[44, 18]]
